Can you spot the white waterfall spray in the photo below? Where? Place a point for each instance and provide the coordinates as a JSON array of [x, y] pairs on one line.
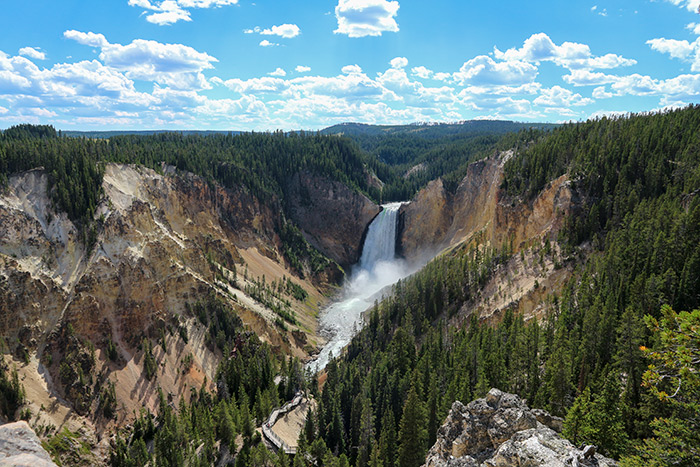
[[378, 268]]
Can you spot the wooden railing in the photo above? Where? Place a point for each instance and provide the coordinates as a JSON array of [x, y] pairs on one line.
[[267, 426]]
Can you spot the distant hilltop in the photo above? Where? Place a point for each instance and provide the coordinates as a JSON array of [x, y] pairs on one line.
[[433, 129], [423, 129]]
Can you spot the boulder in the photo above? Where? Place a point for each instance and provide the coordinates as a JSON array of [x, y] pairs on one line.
[[499, 431], [19, 446]]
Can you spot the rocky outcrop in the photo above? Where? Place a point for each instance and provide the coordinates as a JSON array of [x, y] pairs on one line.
[[332, 217], [500, 431], [19, 446]]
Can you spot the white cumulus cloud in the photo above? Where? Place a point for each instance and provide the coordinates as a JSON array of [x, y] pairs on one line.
[[483, 70], [588, 78], [266, 43], [691, 5], [278, 72], [675, 48], [302, 69], [557, 96], [421, 72], [572, 55], [32, 52], [86, 38], [360, 18], [170, 64], [351, 69], [601, 93], [286, 31], [399, 62], [681, 49], [171, 11]]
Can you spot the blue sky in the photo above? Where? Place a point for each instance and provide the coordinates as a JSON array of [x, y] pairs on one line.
[[308, 64]]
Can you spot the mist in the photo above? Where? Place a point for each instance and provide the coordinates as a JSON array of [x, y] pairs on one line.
[[371, 280]]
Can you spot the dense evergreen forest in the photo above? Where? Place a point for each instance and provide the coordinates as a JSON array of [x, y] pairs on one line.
[[407, 157], [639, 181], [259, 161]]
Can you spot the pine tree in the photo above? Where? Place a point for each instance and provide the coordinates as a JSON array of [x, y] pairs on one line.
[[577, 424], [366, 438], [226, 430], [309, 431], [607, 413], [388, 439], [433, 422], [375, 460], [413, 435], [674, 378], [556, 390]]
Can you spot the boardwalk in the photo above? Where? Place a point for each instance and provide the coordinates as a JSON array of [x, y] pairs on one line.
[[270, 435]]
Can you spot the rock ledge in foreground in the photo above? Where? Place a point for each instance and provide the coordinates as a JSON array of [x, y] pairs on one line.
[[19, 446], [500, 430]]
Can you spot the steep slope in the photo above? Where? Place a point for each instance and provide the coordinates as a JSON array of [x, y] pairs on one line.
[[333, 217], [438, 219], [480, 212], [79, 316]]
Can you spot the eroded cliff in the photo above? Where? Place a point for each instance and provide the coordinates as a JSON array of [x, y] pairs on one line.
[[75, 316], [332, 217], [478, 211]]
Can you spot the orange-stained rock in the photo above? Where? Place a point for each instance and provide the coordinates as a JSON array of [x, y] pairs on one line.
[[163, 241], [436, 219]]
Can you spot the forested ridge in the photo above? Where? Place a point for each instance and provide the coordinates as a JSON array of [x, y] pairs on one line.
[[589, 359], [261, 162], [407, 157], [616, 163]]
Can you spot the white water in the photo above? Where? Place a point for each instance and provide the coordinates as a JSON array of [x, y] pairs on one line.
[[378, 268]]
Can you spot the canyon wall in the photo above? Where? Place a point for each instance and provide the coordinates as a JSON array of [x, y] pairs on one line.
[[162, 241], [479, 211], [332, 217]]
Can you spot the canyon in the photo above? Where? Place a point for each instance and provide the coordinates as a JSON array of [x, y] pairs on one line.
[[171, 238]]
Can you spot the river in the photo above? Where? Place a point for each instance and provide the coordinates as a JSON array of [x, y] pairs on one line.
[[377, 269]]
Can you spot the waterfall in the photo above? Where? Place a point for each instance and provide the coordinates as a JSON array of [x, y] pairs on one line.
[[380, 243], [377, 269]]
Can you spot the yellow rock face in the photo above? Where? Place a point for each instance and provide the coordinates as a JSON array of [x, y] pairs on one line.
[[163, 241]]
